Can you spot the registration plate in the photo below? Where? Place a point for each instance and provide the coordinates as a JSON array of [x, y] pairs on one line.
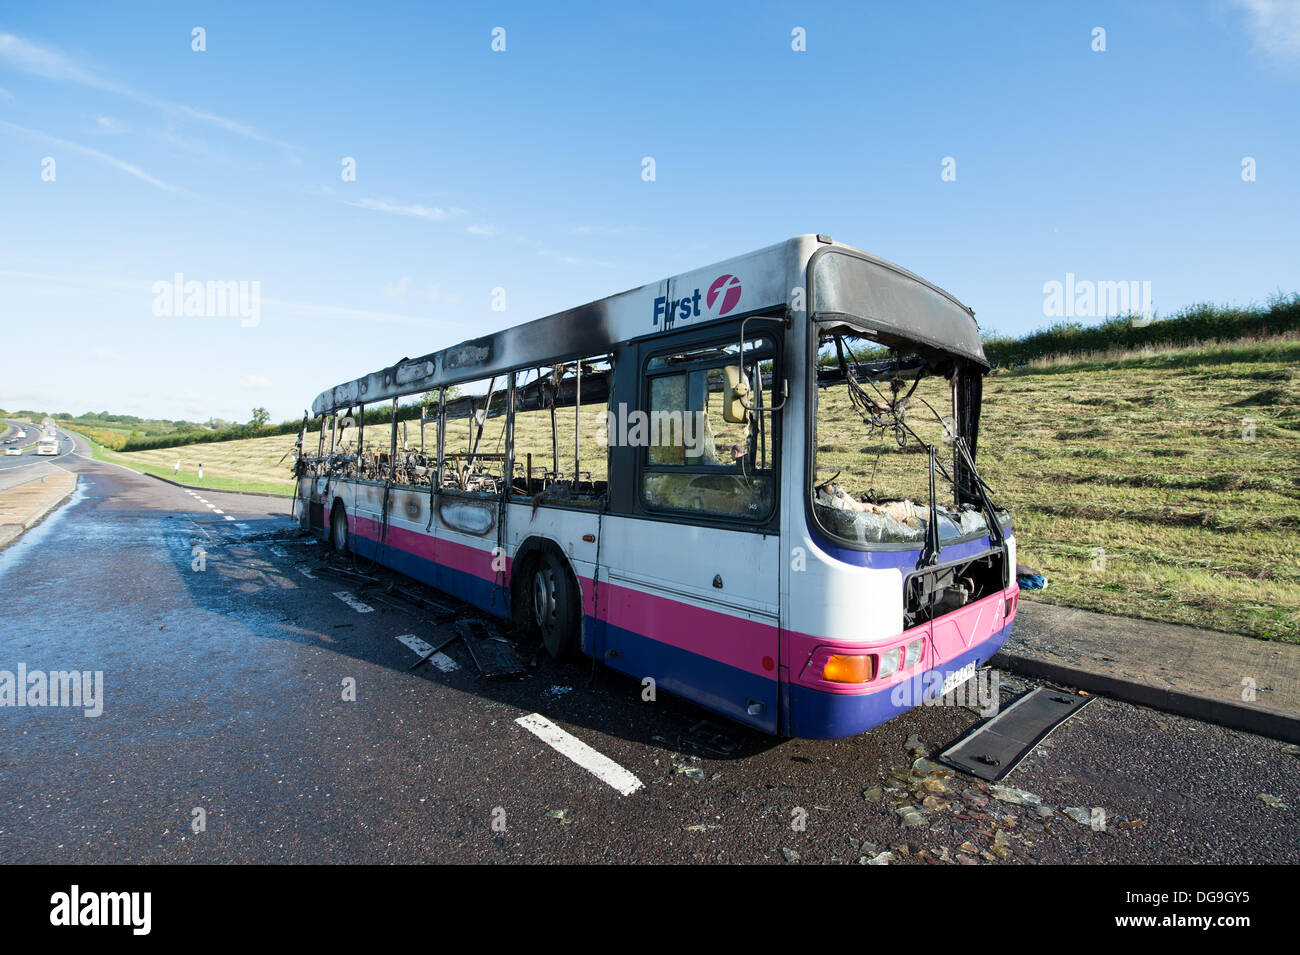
[[957, 677]]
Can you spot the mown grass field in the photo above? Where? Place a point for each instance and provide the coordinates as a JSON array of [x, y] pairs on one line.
[[248, 465], [1147, 461], [1131, 483]]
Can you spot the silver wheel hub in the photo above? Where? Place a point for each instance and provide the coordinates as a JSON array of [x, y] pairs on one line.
[[544, 598]]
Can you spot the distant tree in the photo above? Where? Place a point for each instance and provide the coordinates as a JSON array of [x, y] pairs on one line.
[[260, 417]]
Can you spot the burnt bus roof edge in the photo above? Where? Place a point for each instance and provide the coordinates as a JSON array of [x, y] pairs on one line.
[[588, 329]]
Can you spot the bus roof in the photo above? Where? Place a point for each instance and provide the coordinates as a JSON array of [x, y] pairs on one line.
[[846, 283]]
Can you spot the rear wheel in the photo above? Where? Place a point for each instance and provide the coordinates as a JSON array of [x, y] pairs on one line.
[[339, 530], [555, 609]]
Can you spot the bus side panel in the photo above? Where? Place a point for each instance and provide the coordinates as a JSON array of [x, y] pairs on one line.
[[664, 618], [437, 554]]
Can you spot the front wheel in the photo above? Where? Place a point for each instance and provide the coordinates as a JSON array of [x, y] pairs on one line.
[[556, 611]]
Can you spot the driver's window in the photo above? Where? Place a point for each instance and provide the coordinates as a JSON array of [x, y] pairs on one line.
[[697, 459]]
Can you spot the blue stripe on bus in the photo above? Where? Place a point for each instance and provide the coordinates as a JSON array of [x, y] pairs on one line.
[[812, 714], [710, 683], [487, 595], [904, 560]]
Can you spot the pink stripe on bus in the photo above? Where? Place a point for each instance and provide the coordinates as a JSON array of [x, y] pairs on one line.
[[745, 644], [452, 554]]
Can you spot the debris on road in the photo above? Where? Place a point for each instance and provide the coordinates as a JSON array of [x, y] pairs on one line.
[[492, 653], [1017, 797], [709, 737], [993, 749]]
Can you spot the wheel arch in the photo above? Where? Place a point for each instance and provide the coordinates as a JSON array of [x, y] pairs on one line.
[[521, 566]]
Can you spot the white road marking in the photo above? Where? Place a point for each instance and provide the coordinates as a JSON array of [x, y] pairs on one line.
[[353, 602], [307, 573], [228, 517], [216, 510], [598, 764], [277, 551], [443, 662]]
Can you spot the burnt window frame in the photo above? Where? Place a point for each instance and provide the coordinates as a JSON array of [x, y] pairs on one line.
[[694, 340]]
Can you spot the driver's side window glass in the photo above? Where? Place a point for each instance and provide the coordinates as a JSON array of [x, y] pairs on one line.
[[696, 460]]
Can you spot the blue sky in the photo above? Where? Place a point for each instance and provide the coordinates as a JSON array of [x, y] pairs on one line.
[[521, 169]]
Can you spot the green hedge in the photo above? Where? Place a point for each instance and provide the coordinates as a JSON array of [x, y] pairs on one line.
[[1196, 323], [379, 415]]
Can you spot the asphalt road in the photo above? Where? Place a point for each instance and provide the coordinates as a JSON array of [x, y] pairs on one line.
[[29, 457], [224, 692]]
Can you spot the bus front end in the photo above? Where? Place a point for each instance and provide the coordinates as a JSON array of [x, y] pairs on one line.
[[904, 583]]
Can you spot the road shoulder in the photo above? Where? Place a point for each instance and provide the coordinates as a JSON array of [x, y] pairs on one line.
[[23, 505], [1225, 678]]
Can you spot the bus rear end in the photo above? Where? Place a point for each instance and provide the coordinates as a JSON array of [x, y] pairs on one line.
[[903, 583]]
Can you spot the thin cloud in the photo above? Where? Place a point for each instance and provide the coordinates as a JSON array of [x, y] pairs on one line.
[[253, 382], [606, 229], [1274, 25], [107, 124], [488, 230], [398, 290], [435, 213], [574, 260], [40, 61], [123, 165], [354, 314], [142, 289]]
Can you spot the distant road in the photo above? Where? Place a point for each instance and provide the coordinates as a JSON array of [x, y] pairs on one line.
[[67, 445]]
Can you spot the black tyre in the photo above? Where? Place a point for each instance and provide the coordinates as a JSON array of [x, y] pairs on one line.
[[554, 604], [339, 529]]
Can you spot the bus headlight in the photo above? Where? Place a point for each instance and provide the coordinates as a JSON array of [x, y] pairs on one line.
[[913, 655], [889, 661], [847, 668]]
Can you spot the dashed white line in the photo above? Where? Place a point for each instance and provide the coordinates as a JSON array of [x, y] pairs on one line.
[[443, 662], [353, 602], [596, 763]]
